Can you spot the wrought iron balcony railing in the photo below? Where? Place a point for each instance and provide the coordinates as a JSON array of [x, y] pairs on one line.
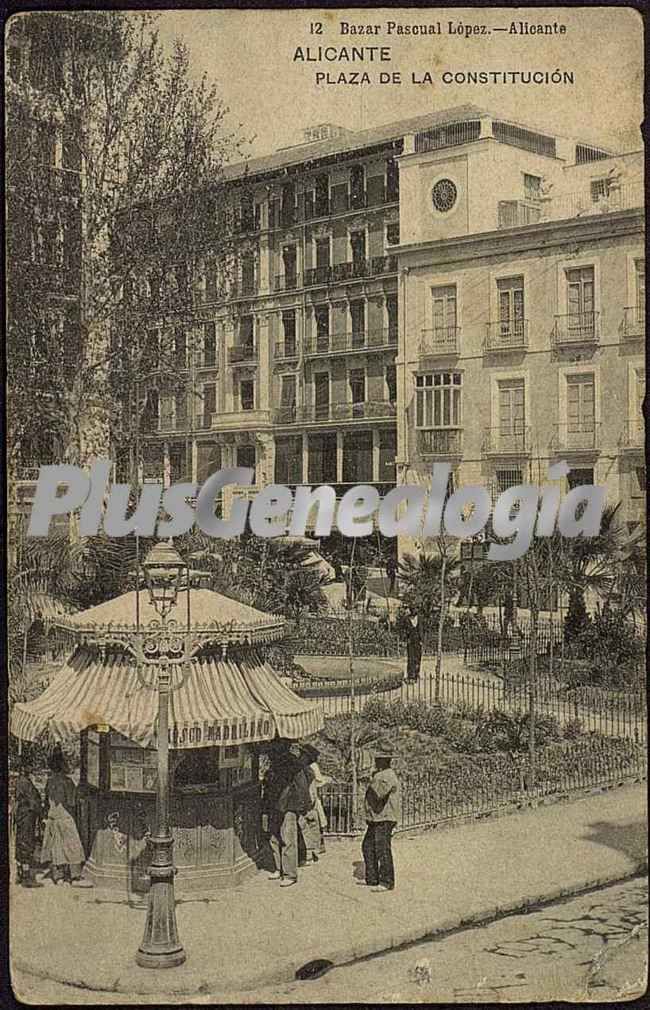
[[440, 441], [506, 334], [634, 321], [576, 328], [362, 340], [515, 213], [287, 282], [313, 413], [514, 440], [633, 435], [285, 350], [440, 340], [577, 436], [241, 353]]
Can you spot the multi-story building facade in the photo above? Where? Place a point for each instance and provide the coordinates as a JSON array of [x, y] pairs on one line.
[[522, 304], [453, 287]]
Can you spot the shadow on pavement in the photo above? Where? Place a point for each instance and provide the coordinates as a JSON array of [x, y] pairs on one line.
[[630, 839]]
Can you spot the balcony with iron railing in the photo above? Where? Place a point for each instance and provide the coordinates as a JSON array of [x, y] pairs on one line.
[[633, 321], [440, 340], [350, 271], [334, 412], [513, 440], [286, 350], [242, 354], [287, 282], [440, 441], [577, 436], [581, 203], [633, 435], [241, 420], [575, 328], [506, 335], [346, 343]]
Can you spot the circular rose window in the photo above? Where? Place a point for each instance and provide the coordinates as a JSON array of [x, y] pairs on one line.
[[444, 195]]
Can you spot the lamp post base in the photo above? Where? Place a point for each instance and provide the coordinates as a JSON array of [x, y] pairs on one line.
[[160, 947]]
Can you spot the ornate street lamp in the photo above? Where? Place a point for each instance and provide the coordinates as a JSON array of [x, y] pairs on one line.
[[163, 568]]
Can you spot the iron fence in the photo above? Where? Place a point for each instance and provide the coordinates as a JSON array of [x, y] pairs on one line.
[[494, 782], [600, 710]]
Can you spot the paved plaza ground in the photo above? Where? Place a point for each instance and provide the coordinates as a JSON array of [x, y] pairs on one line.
[[259, 934]]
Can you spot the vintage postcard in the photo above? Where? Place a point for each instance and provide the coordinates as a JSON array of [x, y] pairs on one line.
[[326, 497]]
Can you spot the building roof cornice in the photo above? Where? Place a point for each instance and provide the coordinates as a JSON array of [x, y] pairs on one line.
[[524, 239]]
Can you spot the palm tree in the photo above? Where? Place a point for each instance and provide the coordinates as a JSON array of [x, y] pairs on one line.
[[429, 582]]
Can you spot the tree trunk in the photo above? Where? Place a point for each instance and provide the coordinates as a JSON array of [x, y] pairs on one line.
[[441, 621], [532, 694]]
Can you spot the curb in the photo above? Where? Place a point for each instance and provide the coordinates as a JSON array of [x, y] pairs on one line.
[[283, 971]]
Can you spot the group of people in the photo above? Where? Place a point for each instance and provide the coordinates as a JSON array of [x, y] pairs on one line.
[[48, 823], [293, 812], [292, 809]]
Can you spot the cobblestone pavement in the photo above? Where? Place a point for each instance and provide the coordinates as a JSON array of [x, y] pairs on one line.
[[589, 948]]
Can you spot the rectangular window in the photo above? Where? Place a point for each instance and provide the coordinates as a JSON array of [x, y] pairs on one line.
[[391, 312], [391, 383], [322, 196], [639, 278], [358, 247], [357, 457], [438, 400], [600, 189], [321, 396], [288, 204], [289, 332], [322, 458], [208, 461], [248, 274], [639, 391], [180, 408], [247, 394], [245, 456], [358, 320], [180, 347], [392, 233], [209, 344], [357, 187], [511, 307], [512, 421], [288, 460], [532, 186], [581, 411], [392, 181], [209, 404], [580, 300], [580, 477], [387, 455], [289, 262], [167, 405], [322, 317], [288, 396], [357, 380], [444, 317], [246, 331], [322, 253]]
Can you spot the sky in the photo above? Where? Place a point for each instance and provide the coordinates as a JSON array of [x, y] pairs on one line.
[[272, 98]]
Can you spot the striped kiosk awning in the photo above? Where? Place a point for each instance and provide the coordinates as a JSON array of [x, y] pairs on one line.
[[218, 702]]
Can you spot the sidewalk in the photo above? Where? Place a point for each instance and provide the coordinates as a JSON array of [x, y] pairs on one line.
[[259, 934]]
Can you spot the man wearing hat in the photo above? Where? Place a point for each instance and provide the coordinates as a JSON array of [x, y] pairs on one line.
[[383, 811], [28, 811]]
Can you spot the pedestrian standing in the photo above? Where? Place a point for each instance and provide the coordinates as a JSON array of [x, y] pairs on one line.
[[28, 814], [383, 812], [309, 822], [61, 843], [317, 782], [391, 572], [287, 799]]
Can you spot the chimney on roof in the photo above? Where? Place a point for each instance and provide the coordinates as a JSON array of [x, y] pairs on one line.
[[323, 131]]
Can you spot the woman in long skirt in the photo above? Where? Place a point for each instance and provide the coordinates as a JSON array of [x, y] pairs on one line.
[[61, 843]]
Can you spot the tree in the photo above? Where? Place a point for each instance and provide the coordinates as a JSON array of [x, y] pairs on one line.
[[428, 582], [135, 202]]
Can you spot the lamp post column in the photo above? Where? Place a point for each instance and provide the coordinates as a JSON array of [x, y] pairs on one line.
[[161, 947]]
